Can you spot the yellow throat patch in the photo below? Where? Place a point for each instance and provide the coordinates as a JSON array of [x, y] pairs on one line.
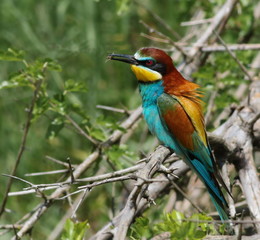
[[145, 75]]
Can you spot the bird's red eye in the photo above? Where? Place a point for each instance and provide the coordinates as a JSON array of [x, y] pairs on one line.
[[149, 63]]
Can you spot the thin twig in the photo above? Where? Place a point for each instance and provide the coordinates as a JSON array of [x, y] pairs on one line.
[[59, 162], [23, 143], [231, 47], [159, 19], [196, 22], [170, 41], [113, 109], [42, 208], [71, 171], [71, 194], [54, 235], [242, 67], [73, 215], [109, 180], [80, 130], [20, 193], [17, 178], [156, 39], [222, 221], [187, 197], [112, 174], [218, 23], [207, 48], [46, 173], [51, 186]]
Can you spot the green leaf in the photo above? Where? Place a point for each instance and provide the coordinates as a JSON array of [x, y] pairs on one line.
[[74, 231], [199, 234], [41, 105], [8, 84], [110, 123], [52, 65], [97, 134], [120, 156], [58, 104], [122, 6], [181, 228], [12, 55], [73, 86], [140, 228], [18, 79], [54, 128]]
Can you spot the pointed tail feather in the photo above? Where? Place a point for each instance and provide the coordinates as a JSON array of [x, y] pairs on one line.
[[213, 187], [215, 192], [223, 216], [221, 211]]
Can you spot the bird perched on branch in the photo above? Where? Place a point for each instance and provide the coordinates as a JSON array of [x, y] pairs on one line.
[[172, 109]]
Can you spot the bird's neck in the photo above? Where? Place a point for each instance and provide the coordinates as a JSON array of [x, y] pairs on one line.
[[150, 92], [175, 84]]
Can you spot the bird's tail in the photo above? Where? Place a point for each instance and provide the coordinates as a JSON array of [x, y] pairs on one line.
[[222, 210], [210, 181]]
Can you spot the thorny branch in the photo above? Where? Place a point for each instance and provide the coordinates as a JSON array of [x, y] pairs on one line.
[[41, 209]]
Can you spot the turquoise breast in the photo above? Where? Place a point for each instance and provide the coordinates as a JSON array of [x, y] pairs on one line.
[[150, 93]]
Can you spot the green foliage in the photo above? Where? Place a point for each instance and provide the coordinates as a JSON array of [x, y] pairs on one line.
[[54, 128], [11, 55], [74, 231], [120, 156], [73, 86], [122, 6], [179, 227], [185, 228], [140, 228], [222, 74], [31, 75]]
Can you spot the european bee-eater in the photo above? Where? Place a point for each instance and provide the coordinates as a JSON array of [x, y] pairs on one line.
[[172, 109]]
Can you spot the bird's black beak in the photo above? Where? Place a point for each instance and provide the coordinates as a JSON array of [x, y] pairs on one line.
[[123, 58]]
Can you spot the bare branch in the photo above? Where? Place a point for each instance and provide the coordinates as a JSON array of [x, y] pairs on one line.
[[187, 197], [242, 67], [237, 131], [113, 109], [217, 24], [59, 162], [196, 22], [231, 47], [170, 41], [46, 173], [41, 209], [109, 180]]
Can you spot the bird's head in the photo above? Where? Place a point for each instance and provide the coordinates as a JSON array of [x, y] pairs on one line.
[[148, 64]]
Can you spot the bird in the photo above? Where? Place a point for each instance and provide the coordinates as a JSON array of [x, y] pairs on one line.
[[172, 109]]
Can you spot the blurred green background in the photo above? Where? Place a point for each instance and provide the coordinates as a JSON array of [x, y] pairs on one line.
[[79, 35]]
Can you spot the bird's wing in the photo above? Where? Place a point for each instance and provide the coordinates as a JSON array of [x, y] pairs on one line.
[[183, 118]]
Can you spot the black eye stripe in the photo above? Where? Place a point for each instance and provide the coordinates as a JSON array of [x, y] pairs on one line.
[[158, 67], [147, 63], [150, 63]]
